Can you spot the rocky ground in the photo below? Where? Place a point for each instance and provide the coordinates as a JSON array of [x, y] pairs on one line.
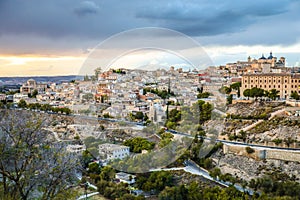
[[277, 128], [281, 133], [185, 178], [254, 109], [247, 168]]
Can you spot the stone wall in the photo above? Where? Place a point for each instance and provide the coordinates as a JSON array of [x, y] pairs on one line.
[[293, 103], [241, 101], [261, 154], [283, 155]]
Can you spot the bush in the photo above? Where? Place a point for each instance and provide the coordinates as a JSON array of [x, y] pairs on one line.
[[249, 150], [277, 141]]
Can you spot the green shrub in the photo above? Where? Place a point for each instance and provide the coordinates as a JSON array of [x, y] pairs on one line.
[[249, 150]]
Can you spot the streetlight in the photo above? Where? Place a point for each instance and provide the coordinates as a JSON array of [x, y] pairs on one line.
[[86, 185]]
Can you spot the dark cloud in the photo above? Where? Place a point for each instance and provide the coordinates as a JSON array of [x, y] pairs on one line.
[[77, 22], [86, 7], [211, 17]]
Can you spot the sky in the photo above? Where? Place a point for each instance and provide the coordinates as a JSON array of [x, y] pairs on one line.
[[57, 37]]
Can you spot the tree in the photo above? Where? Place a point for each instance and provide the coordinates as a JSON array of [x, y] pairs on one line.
[[235, 86], [229, 99], [107, 173], [246, 93], [65, 110], [179, 192], [215, 172], [249, 150], [288, 141], [97, 72], [243, 135], [205, 110], [87, 157], [273, 94], [203, 95], [156, 181], [295, 95], [225, 90], [94, 168], [139, 115], [86, 78], [34, 93], [138, 144], [166, 138], [31, 166], [22, 104], [256, 92]]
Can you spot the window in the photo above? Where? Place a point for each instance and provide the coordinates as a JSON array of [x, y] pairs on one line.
[[278, 86], [285, 86]]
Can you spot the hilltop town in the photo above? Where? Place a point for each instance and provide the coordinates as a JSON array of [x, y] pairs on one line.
[[243, 117]]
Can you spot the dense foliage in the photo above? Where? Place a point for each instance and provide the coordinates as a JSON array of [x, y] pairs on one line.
[[31, 165], [197, 114], [43, 107], [156, 181], [195, 191], [258, 92], [164, 94], [138, 144], [203, 95]]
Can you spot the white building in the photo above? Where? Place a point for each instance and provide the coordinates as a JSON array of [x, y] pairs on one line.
[[113, 151], [76, 148], [19, 96], [125, 178], [2, 97]]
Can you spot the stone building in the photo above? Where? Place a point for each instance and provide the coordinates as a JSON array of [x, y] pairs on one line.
[[285, 83], [31, 85], [113, 151], [260, 65]]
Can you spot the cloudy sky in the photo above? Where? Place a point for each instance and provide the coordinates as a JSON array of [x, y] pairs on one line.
[[55, 37]]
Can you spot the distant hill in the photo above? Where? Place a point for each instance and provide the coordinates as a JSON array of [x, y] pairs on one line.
[[46, 79]]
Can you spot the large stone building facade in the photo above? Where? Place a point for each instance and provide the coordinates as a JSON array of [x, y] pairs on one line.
[[285, 83]]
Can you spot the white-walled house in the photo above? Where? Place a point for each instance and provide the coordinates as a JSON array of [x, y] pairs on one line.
[[113, 151], [125, 178]]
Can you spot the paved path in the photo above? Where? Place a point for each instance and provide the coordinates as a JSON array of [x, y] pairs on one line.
[[193, 168], [79, 176], [247, 128], [88, 195], [251, 126]]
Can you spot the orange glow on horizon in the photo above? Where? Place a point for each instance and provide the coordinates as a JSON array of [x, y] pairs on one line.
[[31, 65]]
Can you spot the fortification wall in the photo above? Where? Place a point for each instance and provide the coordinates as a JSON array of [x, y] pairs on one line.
[[260, 154]]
